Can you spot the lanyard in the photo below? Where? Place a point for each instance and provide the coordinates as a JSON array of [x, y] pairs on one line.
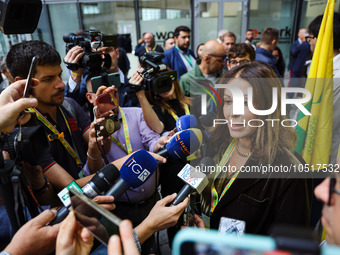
[[226, 156], [173, 114], [60, 136], [186, 56], [153, 49], [128, 149]]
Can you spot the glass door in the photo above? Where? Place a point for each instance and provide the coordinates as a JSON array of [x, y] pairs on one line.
[[211, 16]]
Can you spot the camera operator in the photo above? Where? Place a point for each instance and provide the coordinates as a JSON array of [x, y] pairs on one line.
[[76, 86]]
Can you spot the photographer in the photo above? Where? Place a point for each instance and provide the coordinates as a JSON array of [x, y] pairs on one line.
[[76, 86]]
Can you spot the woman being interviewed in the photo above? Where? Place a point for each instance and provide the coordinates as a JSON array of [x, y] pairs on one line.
[[243, 190]]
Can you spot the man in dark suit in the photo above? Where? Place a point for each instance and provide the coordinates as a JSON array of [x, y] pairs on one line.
[[299, 52], [180, 57]]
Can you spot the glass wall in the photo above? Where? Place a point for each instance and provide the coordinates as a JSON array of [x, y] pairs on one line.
[[312, 8], [116, 17], [162, 17]]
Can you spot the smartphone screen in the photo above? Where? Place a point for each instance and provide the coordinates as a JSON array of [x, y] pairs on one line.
[[113, 79], [31, 74], [99, 221], [198, 248], [106, 102]]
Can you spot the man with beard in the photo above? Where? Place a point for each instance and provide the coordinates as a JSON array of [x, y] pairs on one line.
[[180, 57], [65, 123]]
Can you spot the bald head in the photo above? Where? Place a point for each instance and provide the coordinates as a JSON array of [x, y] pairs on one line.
[[302, 34], [213, 58], [212, 47]]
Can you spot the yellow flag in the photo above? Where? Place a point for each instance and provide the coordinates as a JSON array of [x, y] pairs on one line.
[[315, 130]]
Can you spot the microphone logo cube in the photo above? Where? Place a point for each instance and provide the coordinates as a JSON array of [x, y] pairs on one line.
[[144, 175]]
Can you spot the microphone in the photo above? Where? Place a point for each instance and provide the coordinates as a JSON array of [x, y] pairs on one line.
[[137, 169], [99, 183], [182, 144], [186, 121], [207, 121], [207, 165], [195, 180]]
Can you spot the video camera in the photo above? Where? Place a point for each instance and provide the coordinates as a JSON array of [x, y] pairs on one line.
[[92, 40], [157, 78]]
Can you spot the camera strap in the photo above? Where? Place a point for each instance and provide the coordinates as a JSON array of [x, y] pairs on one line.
[[128, 149], [71, 150], [174, 115]]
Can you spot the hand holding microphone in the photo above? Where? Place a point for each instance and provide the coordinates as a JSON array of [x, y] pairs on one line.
[[193, 179]]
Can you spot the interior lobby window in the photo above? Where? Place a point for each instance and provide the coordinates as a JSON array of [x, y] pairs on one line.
[[168, 13]]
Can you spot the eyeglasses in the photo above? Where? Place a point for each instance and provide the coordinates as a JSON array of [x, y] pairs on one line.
[[309, 38], [218, 56], [236, 63], [332, 190]]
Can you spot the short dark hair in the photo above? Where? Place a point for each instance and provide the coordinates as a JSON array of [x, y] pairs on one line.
[[181, 28], [20, 55], [249, 30], [315, 25], [240, 50], [228, 34], [269, 34]]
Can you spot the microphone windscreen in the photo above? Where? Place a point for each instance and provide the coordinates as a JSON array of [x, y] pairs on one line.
[[186, 121], [193, 177], [138, 168], [183, 143], [208, 120], [106, 177]]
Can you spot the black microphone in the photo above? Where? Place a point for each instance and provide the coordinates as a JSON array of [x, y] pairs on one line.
[[99, 183], [194, 179], [137, 169], [207, 165]]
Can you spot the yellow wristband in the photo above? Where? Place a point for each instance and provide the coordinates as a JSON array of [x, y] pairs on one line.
[[75, 73]]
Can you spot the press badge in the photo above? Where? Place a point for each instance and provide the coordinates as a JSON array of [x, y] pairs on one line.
[[231, 226]]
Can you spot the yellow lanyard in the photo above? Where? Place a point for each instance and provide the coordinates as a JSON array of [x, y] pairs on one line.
[[153, 49], [173, 114], [128, 149], [60, 136], [214, 194]]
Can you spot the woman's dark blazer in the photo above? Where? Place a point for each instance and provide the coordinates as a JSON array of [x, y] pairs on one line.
[[266, 199]]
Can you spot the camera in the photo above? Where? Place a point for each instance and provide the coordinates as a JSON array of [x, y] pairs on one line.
[[157, 78], [27, 144], [90, 41]]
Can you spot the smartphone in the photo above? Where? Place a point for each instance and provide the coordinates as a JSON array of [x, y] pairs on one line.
[[31, 74], [113, 79], [106, 102], [99, 221], [193, 241]]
